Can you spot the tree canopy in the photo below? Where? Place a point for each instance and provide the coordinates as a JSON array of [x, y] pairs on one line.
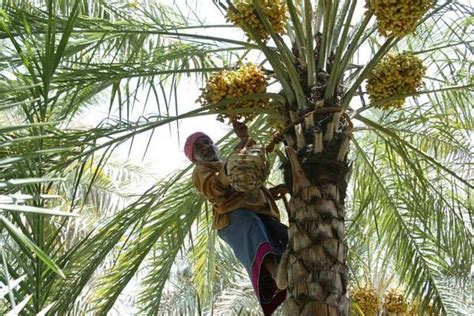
[[72, 241]]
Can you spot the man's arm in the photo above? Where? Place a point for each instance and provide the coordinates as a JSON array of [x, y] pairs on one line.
[[210, 183], [215, 187], [242, 132]]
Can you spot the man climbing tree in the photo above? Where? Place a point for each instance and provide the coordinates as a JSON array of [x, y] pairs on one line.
[[248, 221]]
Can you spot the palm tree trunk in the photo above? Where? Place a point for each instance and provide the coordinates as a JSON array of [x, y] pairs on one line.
[[317, 173]]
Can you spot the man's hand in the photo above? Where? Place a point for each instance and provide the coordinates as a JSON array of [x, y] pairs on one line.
[[277, 137], [240, 129], [279, 191], [242, 132]]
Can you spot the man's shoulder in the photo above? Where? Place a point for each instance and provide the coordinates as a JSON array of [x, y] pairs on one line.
[[203, 167]]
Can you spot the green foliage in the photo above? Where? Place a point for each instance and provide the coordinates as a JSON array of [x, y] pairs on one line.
[[410, 194]]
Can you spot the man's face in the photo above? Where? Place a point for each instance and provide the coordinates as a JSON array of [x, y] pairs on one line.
[[205, 150]]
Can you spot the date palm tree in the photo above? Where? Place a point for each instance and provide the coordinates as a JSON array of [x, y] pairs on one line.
[[408, 194]]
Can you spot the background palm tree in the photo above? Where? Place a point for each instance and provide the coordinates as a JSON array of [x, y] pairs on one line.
[[409, 191]]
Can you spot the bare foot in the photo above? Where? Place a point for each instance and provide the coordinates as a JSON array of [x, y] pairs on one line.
[[282, 272]]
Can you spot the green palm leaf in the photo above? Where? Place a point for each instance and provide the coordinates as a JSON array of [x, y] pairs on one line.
[[61, 58]]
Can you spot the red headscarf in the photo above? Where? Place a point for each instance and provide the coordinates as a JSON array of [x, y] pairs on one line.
[[188, 146]]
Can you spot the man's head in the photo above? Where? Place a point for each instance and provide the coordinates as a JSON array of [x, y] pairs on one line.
[[200, 147]]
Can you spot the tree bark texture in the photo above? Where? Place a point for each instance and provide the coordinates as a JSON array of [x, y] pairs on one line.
[[317, 172]]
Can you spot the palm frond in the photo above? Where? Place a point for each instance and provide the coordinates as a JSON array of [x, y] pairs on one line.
[[409, 217], [203, 256], [163, 234]]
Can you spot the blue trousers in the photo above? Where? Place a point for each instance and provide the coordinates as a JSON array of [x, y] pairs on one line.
[[252, 237]]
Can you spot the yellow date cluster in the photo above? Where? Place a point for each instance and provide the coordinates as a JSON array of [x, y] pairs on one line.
[[394, 303], [367, 300], [415, 310], [398, 17], [245, 14], [395, 75], [246, 80]]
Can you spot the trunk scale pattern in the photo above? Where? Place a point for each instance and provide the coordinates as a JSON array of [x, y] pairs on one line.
[[317, 171]]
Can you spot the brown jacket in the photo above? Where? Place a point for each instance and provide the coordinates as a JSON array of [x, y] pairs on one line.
[[210, 181]]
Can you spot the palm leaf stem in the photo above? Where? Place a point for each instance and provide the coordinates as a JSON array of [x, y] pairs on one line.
[[340, 22], [309, 43], [299, 35], [323, 49], [333, 78], [14, 183], [287, 57], [35, 210], [176, 35], [331, 25], [74, 77], [388, 100], [412, 147], [318, 19], [120, 30], [355, 42], [441, 47]]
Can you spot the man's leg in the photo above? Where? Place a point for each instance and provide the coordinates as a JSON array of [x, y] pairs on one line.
[[252, 245], [277, 264], [278, 234], [245, 234], [270, 263]]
